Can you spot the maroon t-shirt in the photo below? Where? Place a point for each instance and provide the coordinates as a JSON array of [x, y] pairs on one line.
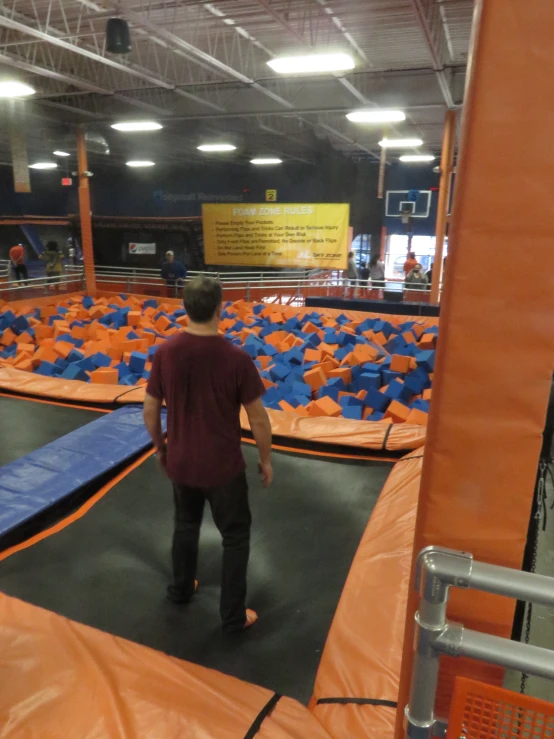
[[204, 380]]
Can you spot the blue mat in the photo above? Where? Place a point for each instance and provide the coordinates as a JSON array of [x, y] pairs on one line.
[[39, 480]]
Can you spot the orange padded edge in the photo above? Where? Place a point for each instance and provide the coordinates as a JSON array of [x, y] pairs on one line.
[[489, 407], [63, 679], [363, 653]]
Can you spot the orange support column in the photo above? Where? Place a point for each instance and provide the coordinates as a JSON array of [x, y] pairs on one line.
[[489, 401], [85, 214], [447, 160]]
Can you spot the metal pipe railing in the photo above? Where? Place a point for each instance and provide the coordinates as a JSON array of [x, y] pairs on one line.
[[437, 571]]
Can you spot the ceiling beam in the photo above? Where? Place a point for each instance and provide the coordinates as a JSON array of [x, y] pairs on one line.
[[67, 79], [191, 50], [434, 53]]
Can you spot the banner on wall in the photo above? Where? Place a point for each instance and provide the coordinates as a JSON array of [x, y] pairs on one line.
[[289, 235], [135, 248]]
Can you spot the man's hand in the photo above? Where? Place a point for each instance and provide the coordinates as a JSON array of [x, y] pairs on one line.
[[266, 473], [161, 458]]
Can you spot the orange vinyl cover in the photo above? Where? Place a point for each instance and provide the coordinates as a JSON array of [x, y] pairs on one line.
[[363, 654], [321, 430], [61, 679]]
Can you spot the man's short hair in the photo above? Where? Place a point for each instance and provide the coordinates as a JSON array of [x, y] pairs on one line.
[[202, 297]]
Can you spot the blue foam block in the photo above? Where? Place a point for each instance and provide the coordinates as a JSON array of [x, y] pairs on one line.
[[74, 372], [75, 356], [48, 369], [279, 372], [377, 400], [354, 412], [398, 391], [375, 416], [101, 360], [302, 400], [369, 380], [426, 360], [301, 388], [329, 391], [389, 376], [20, 325], [137, 362]]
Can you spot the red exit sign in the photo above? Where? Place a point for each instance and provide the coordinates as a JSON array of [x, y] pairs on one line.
[[67, 181]]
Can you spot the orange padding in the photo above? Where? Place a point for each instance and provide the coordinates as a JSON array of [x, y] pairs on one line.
[[63, 679], [363, 653], [341, 431]]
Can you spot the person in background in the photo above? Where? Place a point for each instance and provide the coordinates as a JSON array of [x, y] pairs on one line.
[[173, 272], [410, 263], [352, 270], [53, 256], [377, 272], [204, 380], [364, 274], [416, 280], [17, 260], [429, 274]]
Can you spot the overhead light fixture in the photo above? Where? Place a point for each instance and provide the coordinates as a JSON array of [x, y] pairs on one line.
[[417, 158], [59, 153], [376, 116], [267, 160], [216, 147], [400, 143], [43, 165], [13, 89], [137, 126], [140, 163], [312, 63]]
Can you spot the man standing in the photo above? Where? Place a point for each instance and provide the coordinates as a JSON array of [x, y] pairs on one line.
[[204, 380], [410, 263], [173, 272], [17, 260]]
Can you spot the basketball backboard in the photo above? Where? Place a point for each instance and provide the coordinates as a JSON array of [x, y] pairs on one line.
[[397, 202]]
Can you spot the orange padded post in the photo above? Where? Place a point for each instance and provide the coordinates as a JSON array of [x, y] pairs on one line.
[[85, 214], [447, 160], [489, 407]]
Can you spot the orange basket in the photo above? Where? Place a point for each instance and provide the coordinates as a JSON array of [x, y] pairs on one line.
[[481, 711]]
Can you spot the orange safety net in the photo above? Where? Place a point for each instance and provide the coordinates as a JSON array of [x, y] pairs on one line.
[[481, 711], [64, 679], [356, 688]]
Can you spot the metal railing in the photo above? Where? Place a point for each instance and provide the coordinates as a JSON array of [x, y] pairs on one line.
[[438, 570], [289, 286], [38, 286]]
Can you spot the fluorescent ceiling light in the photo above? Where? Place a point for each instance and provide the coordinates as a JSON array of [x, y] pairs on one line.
[[417, 158], [217, 147], [59, 153], [137, 126], [312, 63], [12, 89], [266, 160], [43, 165], [400, 143], [376, 116], [140, 163]]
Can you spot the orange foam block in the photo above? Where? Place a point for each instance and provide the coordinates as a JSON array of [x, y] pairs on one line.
[[133, 318], [284, 406], [162, 324], [63, 348], [397, 412], [427, 394], [328, 407], [25, 349], [24, 338], [104, 376], [399, 363], [417, 416], [345, 373], [315, 378], [312, 355]]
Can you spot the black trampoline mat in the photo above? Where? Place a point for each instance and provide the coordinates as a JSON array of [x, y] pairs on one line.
[[110, 568], [26, 426]]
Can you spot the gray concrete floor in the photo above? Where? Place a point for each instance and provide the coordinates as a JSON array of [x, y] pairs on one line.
[[542, 622]]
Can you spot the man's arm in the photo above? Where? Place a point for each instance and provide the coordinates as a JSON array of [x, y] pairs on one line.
[[261, 430], [153, 422]]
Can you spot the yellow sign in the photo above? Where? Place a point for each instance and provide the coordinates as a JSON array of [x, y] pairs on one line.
[[271, 196], [288, 235]]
